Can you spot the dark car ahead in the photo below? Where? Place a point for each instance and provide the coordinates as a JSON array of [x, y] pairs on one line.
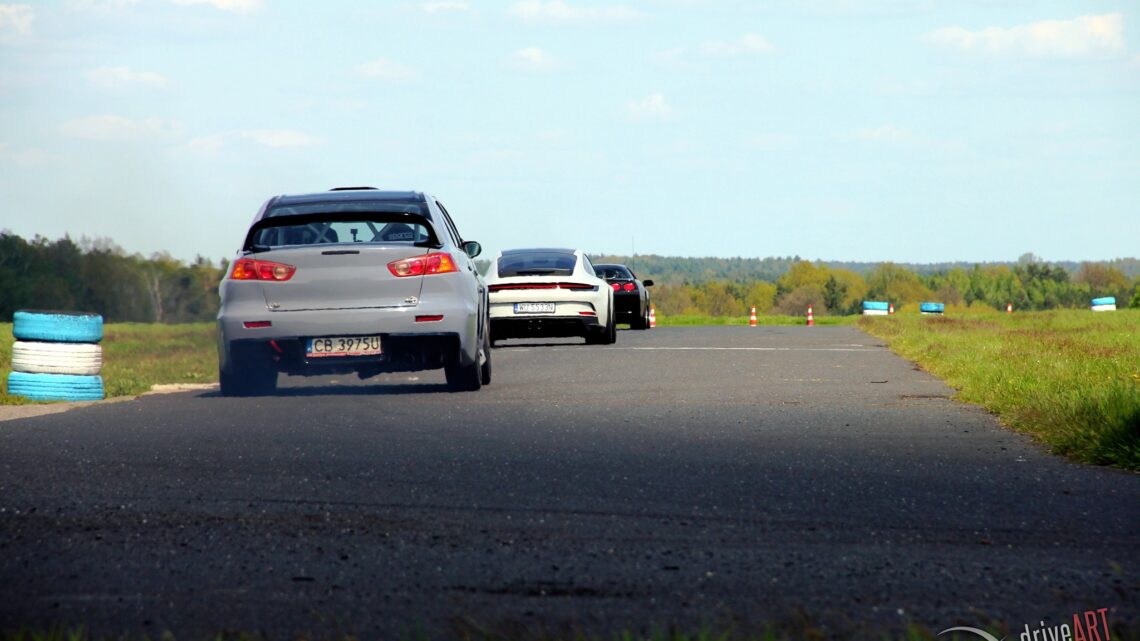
[[631, 298]]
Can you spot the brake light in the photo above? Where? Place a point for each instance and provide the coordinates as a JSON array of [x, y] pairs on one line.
[[440, 263], [616, 286], [257, 324], [629, 287], [570, 286], [434, 318], [252, 269]]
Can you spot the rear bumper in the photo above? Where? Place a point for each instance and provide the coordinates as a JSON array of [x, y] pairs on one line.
[[546, 326], [401, 353], [627, 306], [405, 343]]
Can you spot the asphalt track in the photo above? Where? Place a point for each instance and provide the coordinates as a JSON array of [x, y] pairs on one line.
[[729, 477]]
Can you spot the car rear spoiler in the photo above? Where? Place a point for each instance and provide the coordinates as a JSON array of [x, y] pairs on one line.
[[407, 218]]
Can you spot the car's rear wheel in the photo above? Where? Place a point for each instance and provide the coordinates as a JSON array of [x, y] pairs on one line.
[[605, 335], [485, 369], [641, 322], [468, 377], [247, 379]]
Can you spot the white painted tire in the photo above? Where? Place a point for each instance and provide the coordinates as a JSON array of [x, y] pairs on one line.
[[79, 359]]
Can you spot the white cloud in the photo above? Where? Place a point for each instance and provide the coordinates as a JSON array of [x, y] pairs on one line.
[[444, 5], [747, 45], [1084, 36], [884, 133], [901, 137], [113, 77], [16, 21], [208, 145], [30, 158], [652, 107], [385, 69], [101, 5], [532, 59], [111, 128], [686, 58], [279, 137], [771, 142], [233, 6], [557, 11]]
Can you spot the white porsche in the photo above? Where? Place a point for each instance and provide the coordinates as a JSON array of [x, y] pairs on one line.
[[549, 292]]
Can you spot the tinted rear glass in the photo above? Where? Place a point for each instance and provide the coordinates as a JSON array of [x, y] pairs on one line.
[[341, 206], [345, 224], [612, 272], [537, 264], [347, 230]]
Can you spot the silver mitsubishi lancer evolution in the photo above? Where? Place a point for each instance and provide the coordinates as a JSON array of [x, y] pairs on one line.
[[352, 280]]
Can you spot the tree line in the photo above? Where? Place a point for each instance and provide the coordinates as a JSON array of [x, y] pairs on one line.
[[1029, 284], [98, 276]]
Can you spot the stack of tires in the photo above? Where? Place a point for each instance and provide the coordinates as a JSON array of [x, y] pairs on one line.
[[1105, 304], [57, 356], [875, 308]]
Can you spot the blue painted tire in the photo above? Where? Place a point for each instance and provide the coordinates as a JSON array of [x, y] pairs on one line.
[[57, 327], [871, 304], [55, 387], [1108, 300], [932, 308]]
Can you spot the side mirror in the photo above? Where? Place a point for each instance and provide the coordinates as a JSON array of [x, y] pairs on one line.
[[472, 248], [647, 283]]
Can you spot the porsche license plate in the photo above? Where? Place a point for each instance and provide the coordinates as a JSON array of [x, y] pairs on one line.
[[534, 308], [340, 346]]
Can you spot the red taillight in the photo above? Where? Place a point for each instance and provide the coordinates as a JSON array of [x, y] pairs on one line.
[[629, 287], [499, 288], [257, 324], [587, 313], [435, 318], [440, 263], [252, 269], [616, 286], [570, 286]]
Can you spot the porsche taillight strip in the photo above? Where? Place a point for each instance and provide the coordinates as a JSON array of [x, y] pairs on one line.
[[570, 286]]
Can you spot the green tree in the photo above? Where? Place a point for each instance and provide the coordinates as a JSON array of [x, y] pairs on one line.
[[896, 284], [834, 292]]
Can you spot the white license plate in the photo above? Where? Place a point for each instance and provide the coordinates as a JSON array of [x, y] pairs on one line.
[[342, 346], [534, 308]]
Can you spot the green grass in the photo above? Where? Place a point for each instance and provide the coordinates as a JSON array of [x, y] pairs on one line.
[[137, 356], [690, 320], [1071, 378]]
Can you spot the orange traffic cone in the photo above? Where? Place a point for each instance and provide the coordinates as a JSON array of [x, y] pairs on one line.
[[891, 308], [1009, 308], [652, 316], [811, 321], [752, 318]]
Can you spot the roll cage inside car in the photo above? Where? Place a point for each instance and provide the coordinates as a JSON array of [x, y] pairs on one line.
[[318, 222]]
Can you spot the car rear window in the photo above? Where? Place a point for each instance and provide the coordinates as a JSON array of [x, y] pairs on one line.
[[348, 230], [341, 222], [537, 263], [343, 206], [612, 272]]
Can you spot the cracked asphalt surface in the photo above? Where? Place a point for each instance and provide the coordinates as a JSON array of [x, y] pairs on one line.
[[734, 476]]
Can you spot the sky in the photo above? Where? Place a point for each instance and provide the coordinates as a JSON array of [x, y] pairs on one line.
[[913, 131]]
